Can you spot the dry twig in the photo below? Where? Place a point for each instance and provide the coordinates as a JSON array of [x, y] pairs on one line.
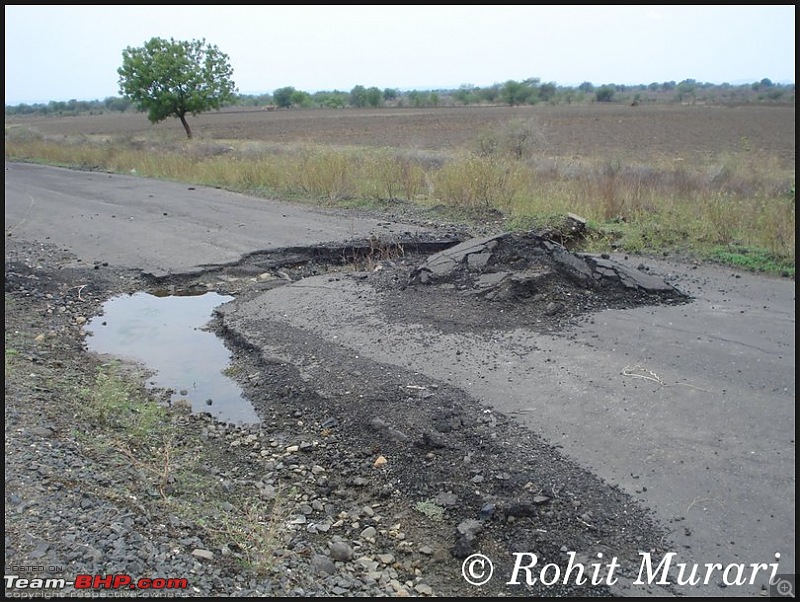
[[637, 370]]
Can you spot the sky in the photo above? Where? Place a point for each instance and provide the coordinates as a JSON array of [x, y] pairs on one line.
[[61, 53]]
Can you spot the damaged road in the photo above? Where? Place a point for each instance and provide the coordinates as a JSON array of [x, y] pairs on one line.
[[548, 402], [644, 379]]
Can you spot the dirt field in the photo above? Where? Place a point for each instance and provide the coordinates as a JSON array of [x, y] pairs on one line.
[[641, 133]]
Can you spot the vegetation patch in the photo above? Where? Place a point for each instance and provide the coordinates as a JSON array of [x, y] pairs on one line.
[[430, 509], [506, 172], [754, 260], [154, 454]]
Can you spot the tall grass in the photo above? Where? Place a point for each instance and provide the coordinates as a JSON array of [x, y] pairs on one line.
[[737, 201]]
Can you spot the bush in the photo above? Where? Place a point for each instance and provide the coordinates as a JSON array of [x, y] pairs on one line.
[[517, 139], [604, 94], [475, 182]]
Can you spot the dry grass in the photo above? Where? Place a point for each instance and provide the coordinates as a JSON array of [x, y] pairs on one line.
[[742, 199]]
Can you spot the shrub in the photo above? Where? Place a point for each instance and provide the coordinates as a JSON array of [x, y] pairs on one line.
[[604, 94]]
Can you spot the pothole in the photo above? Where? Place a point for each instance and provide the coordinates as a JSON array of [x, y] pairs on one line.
[[497, 282], [167, 334]]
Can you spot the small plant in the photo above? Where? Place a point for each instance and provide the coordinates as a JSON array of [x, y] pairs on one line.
[[379, 252], [517, 139], [430, 509], [116, 403], [119, 417], [254, 530], [233, 371], [11, 354]]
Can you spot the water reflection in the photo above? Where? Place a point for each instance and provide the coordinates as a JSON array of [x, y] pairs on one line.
[[165, 333]]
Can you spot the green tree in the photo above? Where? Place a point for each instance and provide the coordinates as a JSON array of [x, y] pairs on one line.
[[421, 98], [604, 93], [489, 94], [358, 96], [170, 78], [374, 97], [466, 94], [687, 87], [114, 103], [330, 100], [547, 91], [283, 96], [301, 98], [518, 93]]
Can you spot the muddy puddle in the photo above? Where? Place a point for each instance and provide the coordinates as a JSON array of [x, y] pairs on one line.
[[167, 333]]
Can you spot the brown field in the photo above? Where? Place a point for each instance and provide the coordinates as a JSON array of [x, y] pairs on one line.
[[639, 134]]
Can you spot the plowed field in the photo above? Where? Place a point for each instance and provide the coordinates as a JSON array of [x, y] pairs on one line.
[[632, 133]]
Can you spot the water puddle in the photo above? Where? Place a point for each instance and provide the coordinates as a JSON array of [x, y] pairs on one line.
[[166, 334]]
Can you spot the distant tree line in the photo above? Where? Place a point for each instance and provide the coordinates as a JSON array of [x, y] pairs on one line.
[[530, 91], [72, 107]]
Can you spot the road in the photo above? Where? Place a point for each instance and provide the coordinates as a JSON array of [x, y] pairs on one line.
[[163, 227], [690, 408]]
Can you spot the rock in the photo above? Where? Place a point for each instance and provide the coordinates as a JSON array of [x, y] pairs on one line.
[[340, 551], [369, 533], [204, 554], [323, 564]]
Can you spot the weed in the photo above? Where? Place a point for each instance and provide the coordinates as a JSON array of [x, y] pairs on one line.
[[754, 260], [517, 139], [11, 354], [430, 509], [124, 429], [323, 173], [387, 175], [475, 182], [233, 371], [379, 252], [252, 531]]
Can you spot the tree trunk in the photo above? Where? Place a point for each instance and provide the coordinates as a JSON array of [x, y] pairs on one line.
[[186, 126]]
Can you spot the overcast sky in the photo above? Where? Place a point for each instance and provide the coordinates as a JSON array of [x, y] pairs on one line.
[[73, 52]]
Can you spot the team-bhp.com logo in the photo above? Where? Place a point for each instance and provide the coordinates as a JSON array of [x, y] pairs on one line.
[[30, 585]]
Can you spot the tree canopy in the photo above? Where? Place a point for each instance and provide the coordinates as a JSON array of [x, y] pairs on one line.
[[172, 78]]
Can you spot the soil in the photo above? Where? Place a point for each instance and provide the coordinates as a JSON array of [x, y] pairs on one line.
[[696, 134], [499, 489]]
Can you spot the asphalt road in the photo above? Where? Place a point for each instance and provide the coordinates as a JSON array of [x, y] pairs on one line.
[[163, 227], [690, 408]]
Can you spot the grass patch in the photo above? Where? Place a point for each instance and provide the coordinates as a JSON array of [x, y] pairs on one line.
[[10, 356], [754, 260], [664, 205], [123, 428], [139, 453]]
